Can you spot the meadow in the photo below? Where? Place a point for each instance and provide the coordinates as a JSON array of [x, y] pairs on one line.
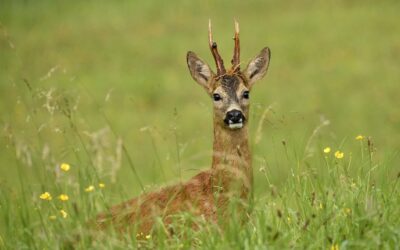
[[97, 106]]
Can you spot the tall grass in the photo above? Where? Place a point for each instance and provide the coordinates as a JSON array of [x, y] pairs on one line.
[[105, 89], [325, 201]]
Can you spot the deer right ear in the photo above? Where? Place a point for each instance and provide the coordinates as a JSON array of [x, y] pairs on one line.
[[199, 70], [258, 67]]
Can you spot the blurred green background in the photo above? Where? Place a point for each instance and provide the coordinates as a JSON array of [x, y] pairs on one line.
[[124, 61]]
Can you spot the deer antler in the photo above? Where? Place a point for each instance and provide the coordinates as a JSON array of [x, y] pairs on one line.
[[236, 51], [214, 51]]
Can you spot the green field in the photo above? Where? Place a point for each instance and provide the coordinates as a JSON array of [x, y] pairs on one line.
[[104, 87]]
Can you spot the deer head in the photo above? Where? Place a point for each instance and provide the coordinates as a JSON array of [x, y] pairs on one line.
[[229, 89]]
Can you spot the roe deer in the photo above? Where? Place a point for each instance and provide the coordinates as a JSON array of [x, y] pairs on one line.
[[231, 173]]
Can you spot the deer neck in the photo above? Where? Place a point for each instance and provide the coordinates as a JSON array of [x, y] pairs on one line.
[[231, 163]]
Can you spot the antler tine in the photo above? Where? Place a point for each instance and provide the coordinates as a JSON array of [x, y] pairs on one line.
[[214, 51], [236, 51]]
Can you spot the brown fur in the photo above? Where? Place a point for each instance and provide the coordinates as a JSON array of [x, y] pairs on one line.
[[208, 193], [231, 169]]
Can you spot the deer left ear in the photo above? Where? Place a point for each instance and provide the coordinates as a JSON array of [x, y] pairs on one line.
[[258, 66], [199, 70]]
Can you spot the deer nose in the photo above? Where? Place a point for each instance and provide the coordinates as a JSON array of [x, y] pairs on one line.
[[234, 116]]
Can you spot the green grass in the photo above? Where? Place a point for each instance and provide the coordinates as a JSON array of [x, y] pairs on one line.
[[105, 87]]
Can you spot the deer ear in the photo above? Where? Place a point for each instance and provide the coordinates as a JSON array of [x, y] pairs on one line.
[[258, 66], [199, 70]]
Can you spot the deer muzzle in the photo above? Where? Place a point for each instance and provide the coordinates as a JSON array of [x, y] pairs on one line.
[[234, 119]]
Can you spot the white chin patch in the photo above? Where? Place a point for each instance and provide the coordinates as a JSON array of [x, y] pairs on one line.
[[235, 125]]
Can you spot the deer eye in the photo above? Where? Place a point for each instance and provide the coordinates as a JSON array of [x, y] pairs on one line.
[[217, 97], [246, 95]]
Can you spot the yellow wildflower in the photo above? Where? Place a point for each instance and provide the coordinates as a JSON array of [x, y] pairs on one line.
[[359, 137], [63, 213], [288, 219], [89, 189], [339, 154], [148, 236], [102, 185], [347, 211], [52, 217], [335, 247], [65, 167], [63, 197], [45, 196], [327, 150]]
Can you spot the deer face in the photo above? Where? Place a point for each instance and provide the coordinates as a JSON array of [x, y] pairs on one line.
[[231, 101], [230, 92]]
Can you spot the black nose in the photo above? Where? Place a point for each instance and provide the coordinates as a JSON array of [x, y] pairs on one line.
[[234, 116]]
